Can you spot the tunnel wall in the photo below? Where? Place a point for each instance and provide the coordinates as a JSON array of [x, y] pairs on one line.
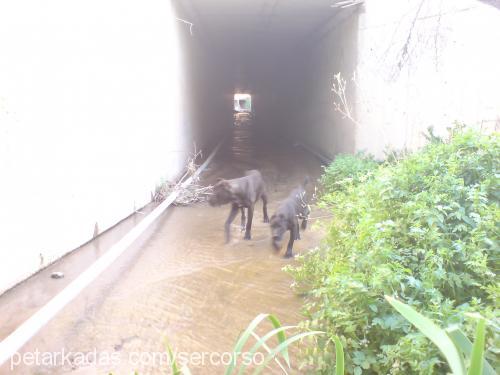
[[304, 85], [425, 63], [90, 120], [334, 49], [407, 65], [208, 89]]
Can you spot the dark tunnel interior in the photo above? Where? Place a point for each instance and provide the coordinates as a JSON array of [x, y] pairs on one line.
[[282, 53]]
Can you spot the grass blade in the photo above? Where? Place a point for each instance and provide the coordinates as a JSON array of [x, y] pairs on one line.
[[268, 349], [437, 335], [477, 355], [281, 338], [173, 362], [282, 346], [465, 345], [339, 356], [261, 341], [247, 333]]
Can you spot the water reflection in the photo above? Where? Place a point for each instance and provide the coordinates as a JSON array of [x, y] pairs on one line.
[[242, 140]]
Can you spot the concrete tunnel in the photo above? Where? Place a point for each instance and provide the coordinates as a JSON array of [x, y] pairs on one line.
[[100, 102], [275, 51]]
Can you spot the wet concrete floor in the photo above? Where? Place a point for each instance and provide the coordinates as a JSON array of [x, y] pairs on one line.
[[179, 282]]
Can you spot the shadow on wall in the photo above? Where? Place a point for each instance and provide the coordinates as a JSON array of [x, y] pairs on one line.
[[306, 85], [207, 90], [494, 3]]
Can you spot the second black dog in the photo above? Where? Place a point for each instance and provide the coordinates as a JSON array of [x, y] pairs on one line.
[[242, 193], [287, 218]]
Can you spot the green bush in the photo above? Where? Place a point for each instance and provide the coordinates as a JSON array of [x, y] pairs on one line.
[[347, 170], [424, 229]]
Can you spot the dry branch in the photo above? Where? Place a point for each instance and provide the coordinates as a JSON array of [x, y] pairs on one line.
[[192, 193], [340, 101], [187, 23], [342, 106]]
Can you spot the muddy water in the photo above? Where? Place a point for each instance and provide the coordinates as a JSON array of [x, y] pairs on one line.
[[182, 282]]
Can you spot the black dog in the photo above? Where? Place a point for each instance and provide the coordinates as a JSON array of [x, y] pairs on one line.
[[287, 217], [242, 193]]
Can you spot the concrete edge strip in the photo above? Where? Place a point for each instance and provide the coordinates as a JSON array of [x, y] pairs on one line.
[[27, 330]]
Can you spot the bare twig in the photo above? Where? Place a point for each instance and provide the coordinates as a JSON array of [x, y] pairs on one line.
[[187, 23], [405, 53], [340, 102], [186, 195]]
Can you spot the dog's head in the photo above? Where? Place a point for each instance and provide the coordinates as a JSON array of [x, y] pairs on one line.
[[278, 229], [222, 193]]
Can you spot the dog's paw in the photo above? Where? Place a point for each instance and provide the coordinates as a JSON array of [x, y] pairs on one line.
[[289, 255], [266, 220], [247, 236]]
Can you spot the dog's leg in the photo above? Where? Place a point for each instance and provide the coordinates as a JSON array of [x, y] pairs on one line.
[[230, 218], [297, 231], [289, 247], [249, 223], [305, 216], [264, 207], [304, 223], [243, 219]]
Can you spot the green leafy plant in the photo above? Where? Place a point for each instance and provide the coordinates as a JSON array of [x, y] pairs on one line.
[[280, 351], [425, 229], [347, 170], [452, 343]]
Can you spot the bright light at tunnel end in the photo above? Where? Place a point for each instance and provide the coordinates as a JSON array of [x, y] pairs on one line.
[[242, 102]]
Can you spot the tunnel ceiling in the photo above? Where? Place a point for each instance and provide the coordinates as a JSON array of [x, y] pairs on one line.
[[242, 25], [251, 39], [254, 46]]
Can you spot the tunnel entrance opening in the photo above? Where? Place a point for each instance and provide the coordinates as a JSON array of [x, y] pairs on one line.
[[242, 102]]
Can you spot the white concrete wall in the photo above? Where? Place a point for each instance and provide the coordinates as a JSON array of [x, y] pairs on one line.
[[449, 71], [423, 63], [90, 121]]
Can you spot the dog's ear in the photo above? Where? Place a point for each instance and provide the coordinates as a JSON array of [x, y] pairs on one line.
[[273, 221], [225, 184], [222, 183]]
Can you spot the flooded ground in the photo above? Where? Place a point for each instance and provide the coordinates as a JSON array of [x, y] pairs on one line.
[[179, 282]]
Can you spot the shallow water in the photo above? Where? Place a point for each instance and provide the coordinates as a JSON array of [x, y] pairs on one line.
[[180, 281]]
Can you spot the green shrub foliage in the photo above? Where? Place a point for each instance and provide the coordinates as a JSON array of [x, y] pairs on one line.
[[424, 229], [347, 170]]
